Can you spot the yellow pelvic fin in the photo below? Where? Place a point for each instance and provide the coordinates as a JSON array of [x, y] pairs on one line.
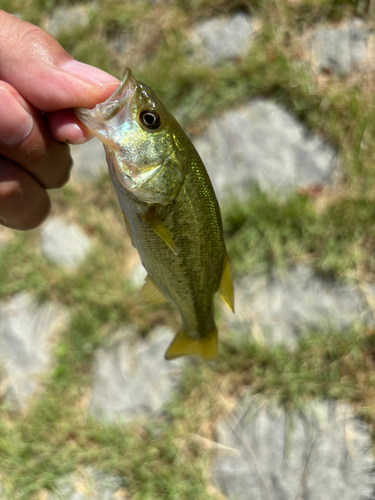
[[226, 285], [150, 293], [184, 345], [157, 225]]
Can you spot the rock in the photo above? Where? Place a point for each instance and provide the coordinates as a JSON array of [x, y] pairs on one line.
[[64, 243], [322, 451], [138, 276], [89, 162], [131, 381], [340, 51], [280, 310], [68, 18], [262, 144], [88, 484], [222, 38], [27, 332]]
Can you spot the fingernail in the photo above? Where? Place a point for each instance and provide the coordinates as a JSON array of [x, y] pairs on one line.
[[74, 134], [88, 73], [15, 121]]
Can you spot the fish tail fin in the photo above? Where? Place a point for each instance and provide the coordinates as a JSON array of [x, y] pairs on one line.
[[184, 345]]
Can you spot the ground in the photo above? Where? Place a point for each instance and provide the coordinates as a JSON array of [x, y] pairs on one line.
[[287, 100]]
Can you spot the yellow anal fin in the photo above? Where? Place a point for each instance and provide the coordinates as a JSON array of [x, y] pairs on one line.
[[226, 284], [157, 225], [150, 293], [184, 345]]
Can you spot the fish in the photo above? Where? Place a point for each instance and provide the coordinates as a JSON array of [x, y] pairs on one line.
[[170, 210]]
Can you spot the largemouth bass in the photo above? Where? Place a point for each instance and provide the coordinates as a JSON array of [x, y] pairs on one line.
[[170, 210]]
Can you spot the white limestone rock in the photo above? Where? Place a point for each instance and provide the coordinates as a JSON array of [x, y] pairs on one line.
[[222, 38], [89, 162], [64, 243], [340, 50], [262, 144], [138, 276], [133, 381], [321, 451], [282, 309], [69, 18], [28, 330]]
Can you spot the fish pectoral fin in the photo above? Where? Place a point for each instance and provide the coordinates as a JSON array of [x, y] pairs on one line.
[[226, 284], [184, 345], [157, 225], [120, 217], [150, 293], [128, 230]]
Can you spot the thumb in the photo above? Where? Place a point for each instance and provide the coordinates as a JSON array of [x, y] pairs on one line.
[[36, 65]]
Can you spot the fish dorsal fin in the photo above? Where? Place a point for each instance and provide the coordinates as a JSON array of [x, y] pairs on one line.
[[183, 345], [150, 293], [226, 285], [157, 225]]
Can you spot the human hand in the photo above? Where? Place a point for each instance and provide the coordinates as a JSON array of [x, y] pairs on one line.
[[39, 84]]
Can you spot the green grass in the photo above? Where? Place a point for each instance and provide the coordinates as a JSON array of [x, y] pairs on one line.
[[160, 459], [331, 365], [332, 230], [337, 240]]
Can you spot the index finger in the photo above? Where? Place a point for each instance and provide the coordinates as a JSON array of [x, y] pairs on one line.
[[35, 64]]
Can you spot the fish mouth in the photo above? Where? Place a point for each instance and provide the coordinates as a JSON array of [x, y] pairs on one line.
[[109, 110], [120, 96]]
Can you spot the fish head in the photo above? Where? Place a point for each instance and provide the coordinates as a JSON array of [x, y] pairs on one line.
[[142, 141]]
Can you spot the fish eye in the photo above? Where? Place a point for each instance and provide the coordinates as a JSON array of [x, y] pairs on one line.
[[150, 119]]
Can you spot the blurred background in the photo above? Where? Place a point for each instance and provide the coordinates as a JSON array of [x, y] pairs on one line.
[[277, 97]]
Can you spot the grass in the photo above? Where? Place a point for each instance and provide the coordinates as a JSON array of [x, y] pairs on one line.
[[331, 230], [337, 240], [323, 366]]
